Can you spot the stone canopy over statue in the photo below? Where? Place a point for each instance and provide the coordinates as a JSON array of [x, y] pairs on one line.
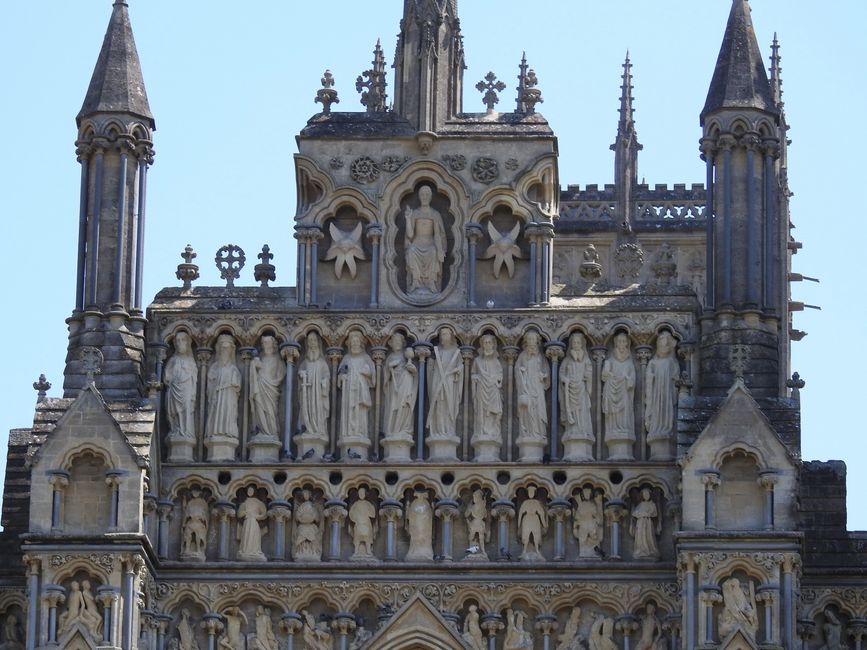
[[425, 246]]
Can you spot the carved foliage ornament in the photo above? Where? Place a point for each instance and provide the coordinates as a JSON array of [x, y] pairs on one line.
[[345, 248], [485, 170]]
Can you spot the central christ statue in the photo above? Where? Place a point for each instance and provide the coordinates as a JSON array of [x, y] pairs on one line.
[[425, 246]]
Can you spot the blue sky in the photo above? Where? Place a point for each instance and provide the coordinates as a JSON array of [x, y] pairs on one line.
[[231, 83]]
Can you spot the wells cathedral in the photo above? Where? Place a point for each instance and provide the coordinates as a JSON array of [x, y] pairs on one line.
[[493, 413]]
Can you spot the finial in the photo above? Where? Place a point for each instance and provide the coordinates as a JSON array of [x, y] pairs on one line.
[[230, 259], [42, 386], [187, 271], [264, 271], [626, 108], [528, 94], [327, 95], [796, 384], [373, 90], [776, 72], [91, 362], [490, 87]]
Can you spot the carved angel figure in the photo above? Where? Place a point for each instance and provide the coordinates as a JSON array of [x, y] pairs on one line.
[[570, 638], [503, 249]]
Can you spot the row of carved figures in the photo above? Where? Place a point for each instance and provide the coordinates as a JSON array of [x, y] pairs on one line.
[[487, 526], [414, 396]]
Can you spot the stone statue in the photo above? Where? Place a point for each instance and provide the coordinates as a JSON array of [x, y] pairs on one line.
[[576, 379], [266, 375], [660, 395], [587, 523], [618, 404], [186, 633], [232, 638], [316, 635], [250, 532], [651, 631], [265, 638], [362, 635], [400, 387], [181, 377], [643, 529], [425, 244], [739, 611], [314, 387], [478, 526], [307, 531], [472, 636], [446, 386], [362, 526], [224, 388], [356, 377], [833, 632], [532, 525], [601, 634], [570, 638], [11, 634], [194, 526], [487, 379], [517, 638], [419, 524], [81, 609], [532, 379]]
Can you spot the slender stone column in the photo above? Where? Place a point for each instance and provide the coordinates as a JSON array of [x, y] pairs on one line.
[[131, 566], [32, 564], [616, 510], [643, 353], [316, 234], [223, 511], [145, 154], [768, 479], [390, 512], [671, 625], [93, 240], [767, 595], [335, 511], [378, 353], [474, 234], [510, 353], [203, 358], [771, 152], [343, 625], [149, 511], [503, 510], [559, 510], [467, 354], [290, 352], [806, 631], [754, 236], [164, 511], [710, 595], [627, 625], [163, 622], [374, 234], [546, 625], [711, 481], [280, 513], [546, 241], [83, 152], [531, 232], [708, 154], [727, 143], [290, 625], [446, 510], [598, 353], [123, 147], [690, 595], [301, 271], [52, 596], [422, 352], [857, 630], [492, 624], [335, 354], [59, 481], [213, 625], [787, 614], [247, 355], [112, 480], [555, 351]]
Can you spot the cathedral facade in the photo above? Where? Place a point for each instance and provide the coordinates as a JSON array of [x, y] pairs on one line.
[[493, 413]]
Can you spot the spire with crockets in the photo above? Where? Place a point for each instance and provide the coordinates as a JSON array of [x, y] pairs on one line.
[[626, 148]]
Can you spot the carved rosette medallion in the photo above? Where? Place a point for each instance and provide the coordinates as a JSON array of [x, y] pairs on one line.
[[485, 170], [364, 170], [456, 162], [393, 163]]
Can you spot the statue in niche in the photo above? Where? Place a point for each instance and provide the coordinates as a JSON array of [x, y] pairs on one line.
[[362, 635], [307, 531], [472, 635], [314, 386], [644, 529], [266, 375], [11, 634], [739, 611], [517, 638], [186, 633], [400, 386], [618, 404], [651, 631], [660, 392], [419, 524], [570, 638], [425, 245], [345, 247], [265, 638], [833, 632], [195, 526], [576, 379], [362, 526], [504, 249], [250, 532], [602, 634], [181, 378], [316, 635], [232, 638], [356, 377], [487, 379], [446, 382], [478, 526], [81, 609], [532, 379], [532, 525], [587, 523], [224, 388]]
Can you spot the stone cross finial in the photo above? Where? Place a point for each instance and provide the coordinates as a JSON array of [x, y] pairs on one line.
[[42, 386], [490, 87], [374, 96], [91, 362], [327, 95], [187, 271], [265, 271], [796, 384], [230, 259]]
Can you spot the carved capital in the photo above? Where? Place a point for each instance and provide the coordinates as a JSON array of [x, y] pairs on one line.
[[468, 353], [391, 511], [510, 353], [247, 353], [280, 511], [627, 624], [374, 232], [727, 142], [709, 598], [59, 480], [555, 351], [32, 562], [492, 623], [559, 509], [856, 629], [546, 624], [503, 509], [212, 624], [805, 628], [378, 353], [203, 356], [768, 480], [53, 595], [291, 624], [344, 623], [599, 353], [334, 354], [615, 510], [643, 353], [336, 511], [290, 351], [473, 231], [224, 510], [422, 351], [446, 509], [710, 480]]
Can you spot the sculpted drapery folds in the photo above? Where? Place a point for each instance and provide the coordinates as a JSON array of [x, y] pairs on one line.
[[419, 524], [195, 526], [186, 633], [400, 386], [739, 610], [356, 377], [314, 385], [576, 379], [265, 637], [587, 523], [266, 375], [232, 639], [446, 382], [487, 379], [618, 377], [532, 379], [570, 638], [425, 245], [645, 526], [651, 631], [307, 529], [532, 526], [602, 634], [224, 389], [181, 380], [517, 638], [250, 532], [80, 608], [472, 634], [660, 391], [362, 526]]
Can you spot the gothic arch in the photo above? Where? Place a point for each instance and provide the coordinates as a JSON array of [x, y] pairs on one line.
[[346, 197]]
